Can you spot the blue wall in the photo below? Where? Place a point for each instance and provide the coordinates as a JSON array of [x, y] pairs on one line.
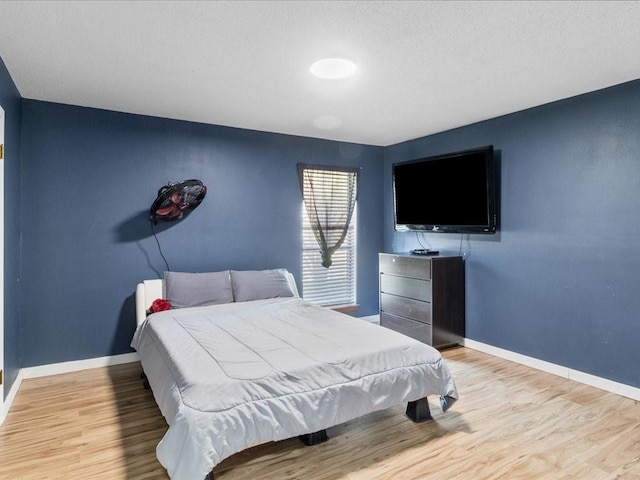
[[11, 101], [561, 280], [89, 178]]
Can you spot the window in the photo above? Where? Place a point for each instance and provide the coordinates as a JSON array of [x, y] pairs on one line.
[[331, 286], [329, 271]]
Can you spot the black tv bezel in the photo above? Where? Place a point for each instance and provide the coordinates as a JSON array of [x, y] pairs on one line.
[[489, 228]]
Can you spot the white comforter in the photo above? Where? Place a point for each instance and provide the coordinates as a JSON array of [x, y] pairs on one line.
[[231, 376]]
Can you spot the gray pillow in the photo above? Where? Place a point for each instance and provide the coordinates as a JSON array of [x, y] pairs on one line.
[[260, 284], [197, 289]]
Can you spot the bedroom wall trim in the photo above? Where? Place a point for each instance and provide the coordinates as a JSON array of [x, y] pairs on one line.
[[565, 372], [77, 365], [13, 391], [568, 373]]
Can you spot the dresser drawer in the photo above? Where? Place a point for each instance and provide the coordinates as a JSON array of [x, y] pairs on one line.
[[406, 266], [406, 287], [419, 331], [406, 307]]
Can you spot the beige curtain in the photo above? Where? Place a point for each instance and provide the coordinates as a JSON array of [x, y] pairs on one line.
[[329, 195]]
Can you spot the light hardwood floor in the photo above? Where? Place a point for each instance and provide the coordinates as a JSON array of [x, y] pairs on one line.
[[510, 422]]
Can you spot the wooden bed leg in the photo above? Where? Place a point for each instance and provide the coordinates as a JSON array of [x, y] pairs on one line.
[[315, 438], [418, 411]]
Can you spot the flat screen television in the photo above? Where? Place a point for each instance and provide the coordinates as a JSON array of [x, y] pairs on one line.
[[452, 193]]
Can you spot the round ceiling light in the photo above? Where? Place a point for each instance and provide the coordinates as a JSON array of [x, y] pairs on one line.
[[327, 122], [333, 68]]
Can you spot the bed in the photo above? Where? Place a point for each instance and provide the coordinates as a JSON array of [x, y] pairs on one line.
[[254, 363]]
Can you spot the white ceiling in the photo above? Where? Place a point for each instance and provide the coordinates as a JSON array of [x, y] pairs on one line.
[[423, 67]]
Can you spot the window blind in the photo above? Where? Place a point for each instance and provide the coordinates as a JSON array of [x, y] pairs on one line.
[[335, 285]]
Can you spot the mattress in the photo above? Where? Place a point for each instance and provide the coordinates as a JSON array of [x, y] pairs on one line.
[[227, 377]]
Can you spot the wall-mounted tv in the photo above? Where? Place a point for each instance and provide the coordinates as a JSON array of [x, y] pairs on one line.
[[452, 193]]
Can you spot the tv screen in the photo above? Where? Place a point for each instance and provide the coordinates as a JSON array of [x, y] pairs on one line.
[[453, 193]]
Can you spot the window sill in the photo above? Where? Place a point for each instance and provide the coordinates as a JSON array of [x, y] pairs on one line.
[[345, 308]]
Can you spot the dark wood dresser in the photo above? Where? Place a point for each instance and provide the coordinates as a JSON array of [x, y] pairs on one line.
[[423, 297]]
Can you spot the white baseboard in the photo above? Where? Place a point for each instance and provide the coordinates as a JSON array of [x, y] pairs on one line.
[[6, 405], [64, 367], [77, 365], [565, 372], [371, 319]]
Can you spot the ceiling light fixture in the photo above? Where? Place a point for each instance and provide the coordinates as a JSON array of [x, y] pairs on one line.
[[333, 68], [327, 122]]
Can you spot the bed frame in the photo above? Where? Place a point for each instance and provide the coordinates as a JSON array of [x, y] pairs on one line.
[[149, 290]]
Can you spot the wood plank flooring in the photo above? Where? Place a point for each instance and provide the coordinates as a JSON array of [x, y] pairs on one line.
[[511, 422]]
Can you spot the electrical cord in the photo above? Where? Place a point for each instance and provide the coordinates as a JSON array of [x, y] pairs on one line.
[[421, 244], [159, 247]]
